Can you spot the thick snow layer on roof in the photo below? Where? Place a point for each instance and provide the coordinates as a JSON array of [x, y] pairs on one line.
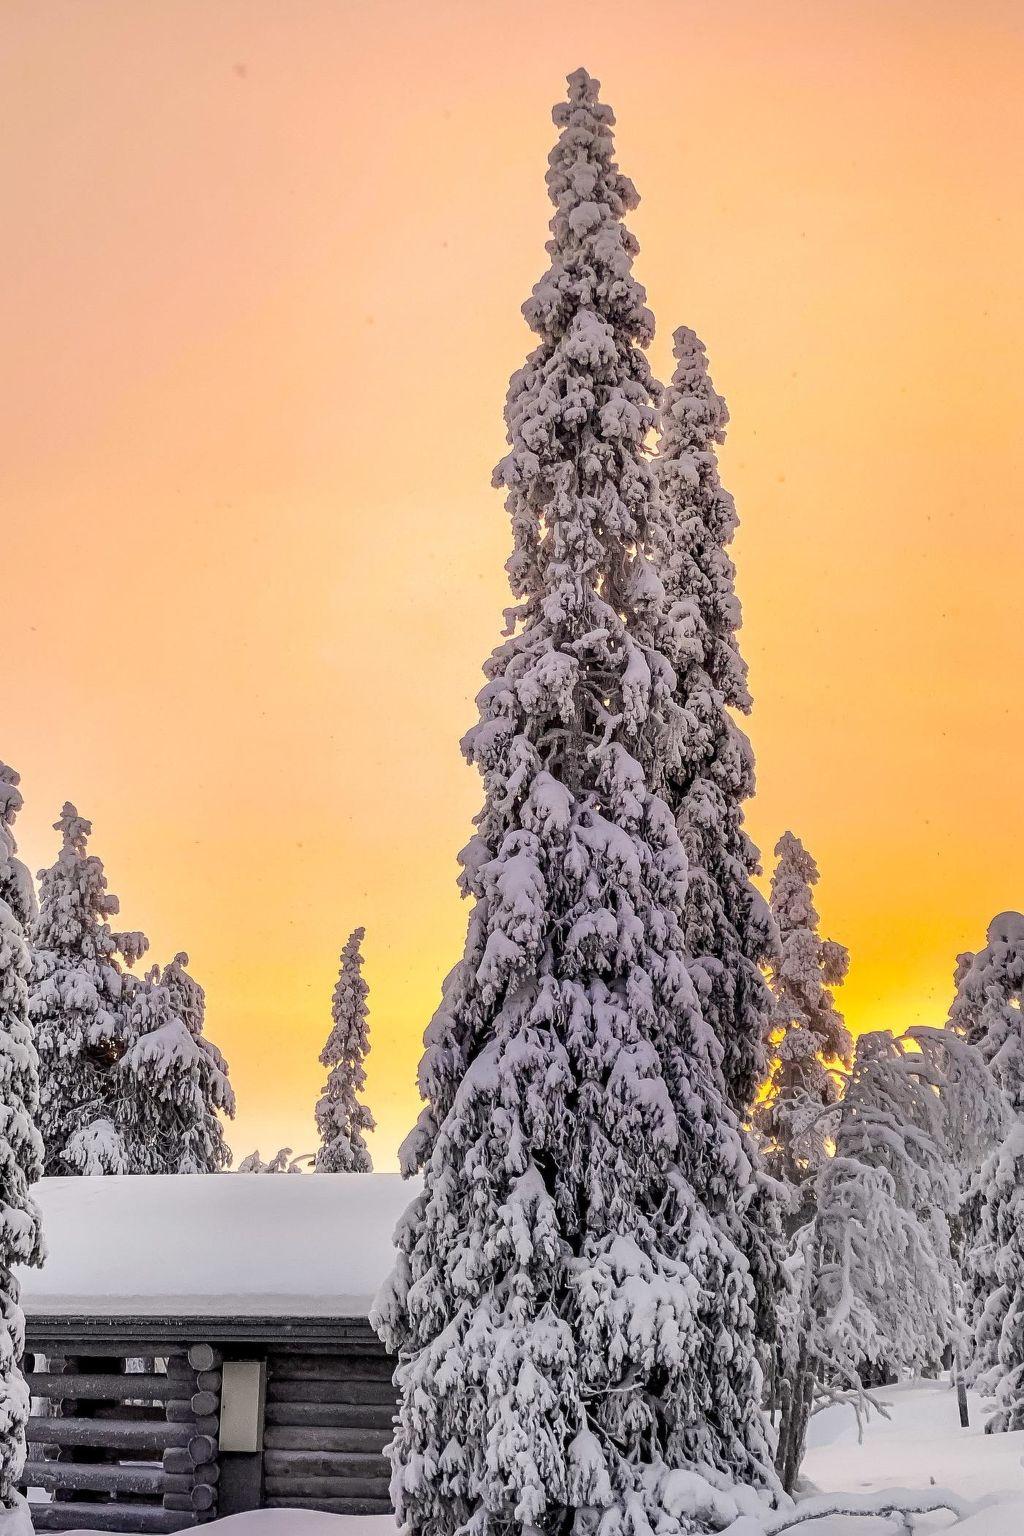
[[216, 1245]]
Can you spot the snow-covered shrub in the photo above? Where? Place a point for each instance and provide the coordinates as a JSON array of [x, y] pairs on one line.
[[283, 1161], [341, 1117], [21, 1148], [878, 1285]]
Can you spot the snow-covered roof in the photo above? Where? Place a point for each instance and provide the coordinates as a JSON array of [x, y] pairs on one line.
[[215, 1245]]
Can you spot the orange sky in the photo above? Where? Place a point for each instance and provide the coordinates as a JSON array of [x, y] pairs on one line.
[[261, 274]]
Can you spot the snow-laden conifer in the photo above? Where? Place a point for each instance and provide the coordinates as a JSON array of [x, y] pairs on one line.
[[341, 1116], [76, 1006], [987, 1013], [573, 1318], [174, 1082], [809, 1036], [21, 1149], [706, 764]]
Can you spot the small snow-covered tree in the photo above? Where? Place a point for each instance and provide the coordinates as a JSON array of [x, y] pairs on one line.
[[341, 1117], [283, 1161], [21, 1148], [573, 1317], [809, 1037], [174, 1082], [76, 1005], [986, 1012], [705, 766], [877, 1281]]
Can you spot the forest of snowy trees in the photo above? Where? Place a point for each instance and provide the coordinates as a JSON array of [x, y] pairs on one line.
[[669, 1206]]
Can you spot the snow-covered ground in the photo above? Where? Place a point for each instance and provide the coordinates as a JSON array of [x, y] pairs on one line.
[[921, 1447]]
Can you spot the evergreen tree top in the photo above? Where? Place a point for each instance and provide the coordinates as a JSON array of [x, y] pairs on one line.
[[694, 414], [807, 966], [16, 887], [11, 800], [75, 832], [989, 999], [74, 902], [188, 998]]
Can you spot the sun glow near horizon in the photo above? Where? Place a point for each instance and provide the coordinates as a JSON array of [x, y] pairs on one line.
[[261, 301]]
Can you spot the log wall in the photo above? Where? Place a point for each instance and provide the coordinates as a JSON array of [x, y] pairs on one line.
[[124, 1434]]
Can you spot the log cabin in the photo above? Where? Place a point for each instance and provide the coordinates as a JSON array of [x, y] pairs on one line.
[[198, 1346]]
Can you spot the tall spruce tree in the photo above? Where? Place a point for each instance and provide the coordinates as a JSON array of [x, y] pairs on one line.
[[21, 1148], [574, 1321], [808, 1033], [341, 1116], [986, 1012], [706, 767], [76, 1004]]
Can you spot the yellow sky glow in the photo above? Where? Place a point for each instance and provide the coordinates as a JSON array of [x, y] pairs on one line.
[[260, 291]]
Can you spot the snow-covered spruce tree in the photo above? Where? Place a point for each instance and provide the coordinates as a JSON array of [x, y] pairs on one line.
[[341, 1117], [702, 763], [809, 1036], [21, 1148], [705, 768], [573, 1319], [173, 1082], [878, 1285], [76, 1007], [987, 1012]]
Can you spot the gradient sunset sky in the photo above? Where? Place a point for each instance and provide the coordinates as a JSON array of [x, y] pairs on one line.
[[261, 275]]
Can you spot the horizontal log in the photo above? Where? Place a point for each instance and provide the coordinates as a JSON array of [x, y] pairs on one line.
[[334, 1506], [102, 1348], [204, 1403], [178, 1412], [110, 1434], [330, 1416], [347, 1367], [203, 1357], [178, 1463], [142, 1518], [201, 1498], [350, 1415], [312, 1462], [202, 1448], [98, 1476], [347, 1391], [328, 1487], [186, 1380], [330, 1391], [184, 1482], [184, 1475], [150, 1387]]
